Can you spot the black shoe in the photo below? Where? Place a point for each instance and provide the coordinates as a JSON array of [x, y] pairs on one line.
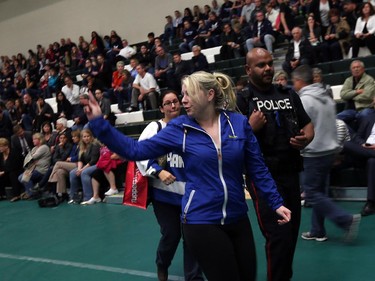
[[368, 209], [162, 274]]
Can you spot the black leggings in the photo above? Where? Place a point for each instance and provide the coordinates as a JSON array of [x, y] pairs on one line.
[[224, 252]]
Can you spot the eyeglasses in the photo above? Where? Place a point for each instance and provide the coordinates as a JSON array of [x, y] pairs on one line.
[[169, 103]]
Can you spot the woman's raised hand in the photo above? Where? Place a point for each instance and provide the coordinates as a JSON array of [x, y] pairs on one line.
[[92, 109]]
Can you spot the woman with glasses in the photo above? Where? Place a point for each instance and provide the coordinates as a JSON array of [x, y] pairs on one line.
[[167, 179]]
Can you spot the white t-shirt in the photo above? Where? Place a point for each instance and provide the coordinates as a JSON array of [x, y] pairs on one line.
[[147, 82], [371, 138]]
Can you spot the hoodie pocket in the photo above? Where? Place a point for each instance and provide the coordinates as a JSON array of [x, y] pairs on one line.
[[186, 209]]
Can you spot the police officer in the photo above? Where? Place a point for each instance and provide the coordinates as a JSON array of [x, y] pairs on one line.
[[283, 128]]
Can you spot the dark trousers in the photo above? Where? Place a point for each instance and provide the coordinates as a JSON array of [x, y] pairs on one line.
[[363, 156], [169, 220], [224, 252], [369, 42], [281, 240]]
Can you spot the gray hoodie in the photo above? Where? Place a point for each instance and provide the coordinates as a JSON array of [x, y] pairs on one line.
[[322, 110]]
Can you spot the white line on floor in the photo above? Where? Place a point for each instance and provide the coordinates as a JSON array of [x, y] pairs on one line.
[[88, 266]]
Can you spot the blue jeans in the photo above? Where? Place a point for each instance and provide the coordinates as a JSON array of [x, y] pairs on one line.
[[314, 181], [84, 179], [34, 179], [350, 115]]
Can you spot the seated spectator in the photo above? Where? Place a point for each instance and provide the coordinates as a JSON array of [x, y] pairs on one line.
[[225, 11], [105, 106], [115, 45], [145, 57], [318, 78], [105, 173], [10, 169], [71, 92], [169, 31], [90, 69], [178, 24], [358, 91], [126, 52], [229, 47], [286, 18], [36, 165], [62, 128], [197, 16], [361, 150], [43, 113], [61, 169], [79, 117], [97, 41], [199, 60], [117, 79], [299, 52], [214, 27], [5, 125], [281, 78], [188, 35], [273, 16], [337, 39], [313, 32], [29, 112], [76, 61], [259, 7], [81, 175], [181, 68], [261, 34], [48, 134], [145, 88], [202, 34], [132, 67], [64, 107], [21, 141], [351, 12], [163, 67], [14, 112], [104, 76], [364, 33], [61, 153]]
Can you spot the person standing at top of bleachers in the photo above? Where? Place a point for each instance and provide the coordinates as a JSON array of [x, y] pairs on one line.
[[358, 91], [163, 67]]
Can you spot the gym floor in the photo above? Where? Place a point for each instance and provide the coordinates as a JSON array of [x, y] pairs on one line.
[[113, 242]]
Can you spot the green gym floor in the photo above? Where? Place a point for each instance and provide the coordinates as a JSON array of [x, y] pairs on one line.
[[113, 242]]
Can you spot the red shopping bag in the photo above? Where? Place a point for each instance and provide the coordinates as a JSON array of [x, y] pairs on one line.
[[136, 187]]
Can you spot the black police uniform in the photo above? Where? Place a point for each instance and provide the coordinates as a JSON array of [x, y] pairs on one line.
[[285, 117]]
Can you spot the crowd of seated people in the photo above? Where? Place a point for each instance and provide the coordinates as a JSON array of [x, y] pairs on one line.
[[116, 72]]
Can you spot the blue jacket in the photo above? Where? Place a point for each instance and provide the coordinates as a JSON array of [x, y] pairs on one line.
[[214, 191], [172, 193]]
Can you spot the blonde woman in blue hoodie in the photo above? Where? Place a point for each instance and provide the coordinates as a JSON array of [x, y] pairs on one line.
[[216, 145]]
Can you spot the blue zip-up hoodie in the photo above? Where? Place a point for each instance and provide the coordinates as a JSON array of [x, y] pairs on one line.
[[213, 192]]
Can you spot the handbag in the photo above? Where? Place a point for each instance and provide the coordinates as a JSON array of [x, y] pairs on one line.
[[136, 187], [26, 176]]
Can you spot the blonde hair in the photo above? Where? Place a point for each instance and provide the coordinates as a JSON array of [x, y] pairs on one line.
[[225, 97], [40, 137], [4, 142], [82, 145]]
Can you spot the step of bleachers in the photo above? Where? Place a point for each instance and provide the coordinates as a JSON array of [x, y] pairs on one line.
[[115, 199]]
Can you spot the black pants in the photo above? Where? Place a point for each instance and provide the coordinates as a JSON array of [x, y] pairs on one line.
[[224, 252], [281, 240], [369, 42], [168, 217]]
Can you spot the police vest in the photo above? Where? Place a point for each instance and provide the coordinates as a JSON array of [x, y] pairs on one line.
[[282, 123]]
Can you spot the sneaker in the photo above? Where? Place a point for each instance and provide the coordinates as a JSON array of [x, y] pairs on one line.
[[352, 232], [71, 201], [91, 201], [309, 236], [111, 192]]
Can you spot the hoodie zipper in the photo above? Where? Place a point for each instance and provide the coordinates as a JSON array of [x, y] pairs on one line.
[[220, 164]]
